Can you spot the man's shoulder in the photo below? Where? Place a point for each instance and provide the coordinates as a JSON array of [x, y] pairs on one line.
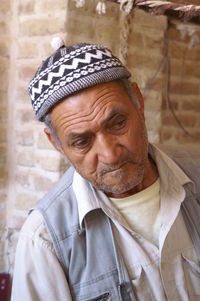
[[59, 205], [59, 191], [181, 151], [33, 223], [34, 230], [187, 157]]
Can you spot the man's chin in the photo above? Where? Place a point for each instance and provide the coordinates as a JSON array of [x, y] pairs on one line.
[[120, 186], [118, 190]]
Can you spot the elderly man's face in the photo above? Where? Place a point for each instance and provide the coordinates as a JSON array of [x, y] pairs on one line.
[[103, 135]]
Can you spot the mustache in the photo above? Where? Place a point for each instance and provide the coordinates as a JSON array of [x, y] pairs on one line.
[[112, 167]]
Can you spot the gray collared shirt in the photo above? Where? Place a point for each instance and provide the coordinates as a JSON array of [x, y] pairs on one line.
[[170, 272]]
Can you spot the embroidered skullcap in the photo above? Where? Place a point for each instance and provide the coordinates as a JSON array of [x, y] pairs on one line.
[[69, 70]]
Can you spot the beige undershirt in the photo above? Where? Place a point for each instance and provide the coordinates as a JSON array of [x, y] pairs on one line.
[[141, 211]]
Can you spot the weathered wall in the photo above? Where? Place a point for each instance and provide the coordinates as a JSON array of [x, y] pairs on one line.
[[26, 31], [35, 24], [33, 166], [184, 85], [144, 58], [5, 15]]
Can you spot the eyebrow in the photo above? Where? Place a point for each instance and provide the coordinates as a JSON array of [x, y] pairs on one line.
[[112, 114], [73, 136]]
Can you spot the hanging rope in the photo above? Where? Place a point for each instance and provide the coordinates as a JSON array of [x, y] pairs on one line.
[[184, 11], [125, 30]]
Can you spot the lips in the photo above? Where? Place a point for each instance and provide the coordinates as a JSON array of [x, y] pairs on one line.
[[110, 169], [118, 168]]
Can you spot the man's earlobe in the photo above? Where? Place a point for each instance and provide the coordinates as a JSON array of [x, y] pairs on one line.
[[52, 140]]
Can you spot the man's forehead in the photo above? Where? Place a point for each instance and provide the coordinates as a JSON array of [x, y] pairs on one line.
[[97, 91], [76, 130], [98, 102], [78, 120]]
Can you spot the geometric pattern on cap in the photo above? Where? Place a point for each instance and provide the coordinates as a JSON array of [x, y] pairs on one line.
[[67, 72]]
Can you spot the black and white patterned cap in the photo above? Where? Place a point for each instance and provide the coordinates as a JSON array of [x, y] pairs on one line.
[[69, 70]]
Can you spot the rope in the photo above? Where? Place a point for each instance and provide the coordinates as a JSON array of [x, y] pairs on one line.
[[125, 30], [185, 11]]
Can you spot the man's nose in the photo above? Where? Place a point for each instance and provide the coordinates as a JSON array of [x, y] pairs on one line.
[[109, 149]]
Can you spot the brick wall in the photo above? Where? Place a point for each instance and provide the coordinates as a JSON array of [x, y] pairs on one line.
[[184, 88], [33, 165], [144, 58], [27, 28], [4, 70]]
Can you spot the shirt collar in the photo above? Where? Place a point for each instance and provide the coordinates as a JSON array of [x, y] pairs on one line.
[[167, 166], [173, 181], [170, 173], [86, 199], [89, 198]]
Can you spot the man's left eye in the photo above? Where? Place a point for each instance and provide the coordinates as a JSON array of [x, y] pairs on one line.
[[119, 123], [81, 143]]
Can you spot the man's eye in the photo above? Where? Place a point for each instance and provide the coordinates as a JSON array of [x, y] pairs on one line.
[[119, 122], [81, 143]]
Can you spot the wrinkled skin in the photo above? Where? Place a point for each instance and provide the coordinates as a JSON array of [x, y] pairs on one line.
[[103, 135]]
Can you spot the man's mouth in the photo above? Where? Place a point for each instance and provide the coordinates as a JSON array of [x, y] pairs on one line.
[[110, 169]]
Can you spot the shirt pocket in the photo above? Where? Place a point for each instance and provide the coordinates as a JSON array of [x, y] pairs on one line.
[[104, 297], [192, 276], [141, 287]]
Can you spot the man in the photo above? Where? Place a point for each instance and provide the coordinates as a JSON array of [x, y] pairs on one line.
[[116, 226]]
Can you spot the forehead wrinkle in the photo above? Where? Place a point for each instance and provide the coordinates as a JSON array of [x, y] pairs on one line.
[[96, 103], [102, 95], [107, 90], [85, 120], [94, 107], [89, 117], [71, 116], [105, 93]]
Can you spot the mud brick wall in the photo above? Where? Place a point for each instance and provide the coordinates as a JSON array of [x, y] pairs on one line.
[[28, 164]]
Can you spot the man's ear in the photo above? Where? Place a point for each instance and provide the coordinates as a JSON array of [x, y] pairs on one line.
[[52, 140], [139, 96]]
